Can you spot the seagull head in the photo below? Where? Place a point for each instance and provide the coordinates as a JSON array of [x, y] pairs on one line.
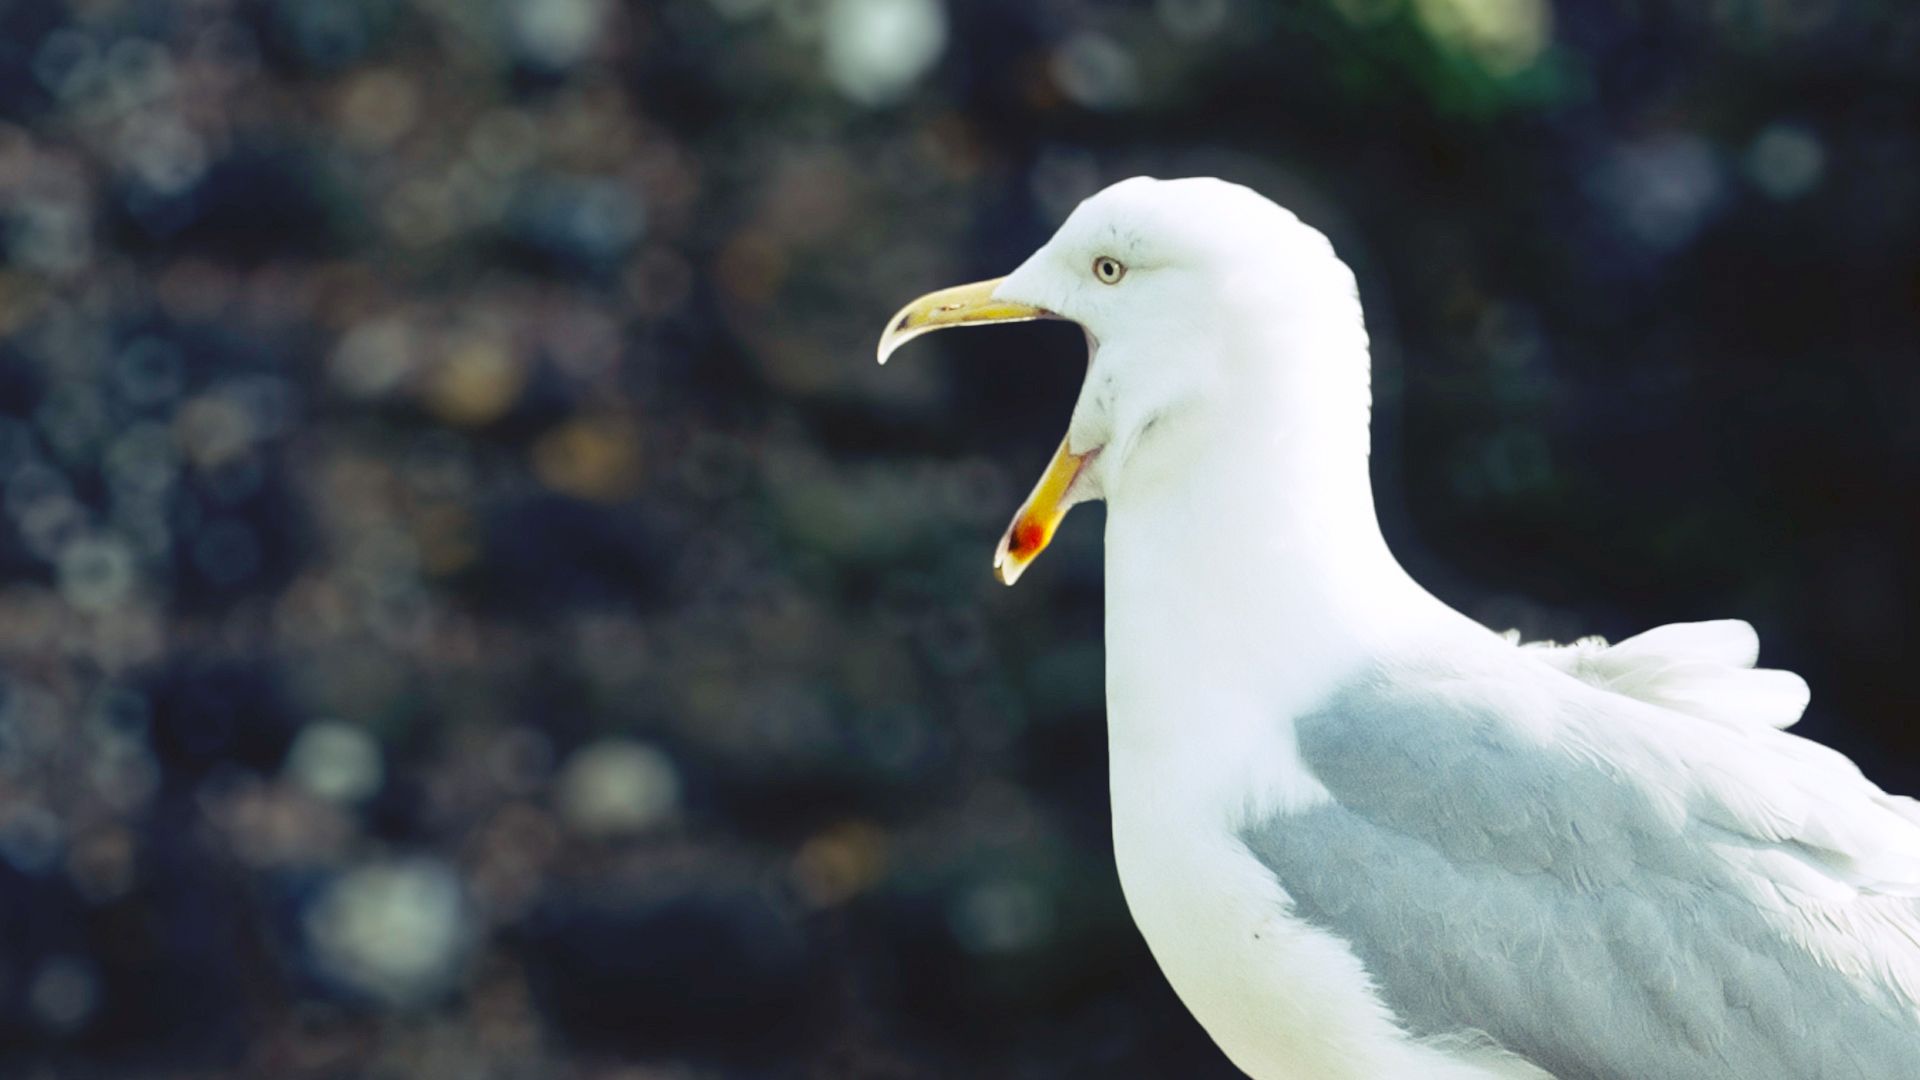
[[1201, 300]]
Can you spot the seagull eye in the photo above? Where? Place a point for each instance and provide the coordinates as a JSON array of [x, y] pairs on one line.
[[1109, 269]]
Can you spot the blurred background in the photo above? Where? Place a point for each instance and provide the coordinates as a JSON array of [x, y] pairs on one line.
[[471, 607]]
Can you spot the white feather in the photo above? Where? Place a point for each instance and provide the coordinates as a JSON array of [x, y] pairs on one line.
[[1704, 669]]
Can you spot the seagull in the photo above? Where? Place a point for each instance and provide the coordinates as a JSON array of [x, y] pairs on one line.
[[1365, 837]]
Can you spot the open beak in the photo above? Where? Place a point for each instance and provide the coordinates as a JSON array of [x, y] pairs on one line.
[[1040, 515]]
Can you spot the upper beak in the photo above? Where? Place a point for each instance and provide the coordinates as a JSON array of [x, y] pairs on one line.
[[1040, 515], [962, 305]]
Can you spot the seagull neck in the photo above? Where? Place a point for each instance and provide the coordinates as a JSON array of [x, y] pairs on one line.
[[1253, 572]]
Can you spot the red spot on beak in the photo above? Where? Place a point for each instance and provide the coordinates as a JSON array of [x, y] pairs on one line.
[[1027, 537]]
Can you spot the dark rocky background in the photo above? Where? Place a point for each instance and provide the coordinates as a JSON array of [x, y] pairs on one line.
[[470, 606]]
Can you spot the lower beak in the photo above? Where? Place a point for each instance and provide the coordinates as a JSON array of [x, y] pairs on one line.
[[1032, 528], [1040, 515]]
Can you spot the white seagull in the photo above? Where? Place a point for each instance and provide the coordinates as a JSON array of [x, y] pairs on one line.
[[1365, 837]]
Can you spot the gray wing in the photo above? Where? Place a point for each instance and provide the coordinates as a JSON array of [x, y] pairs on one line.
[[1610, 889]]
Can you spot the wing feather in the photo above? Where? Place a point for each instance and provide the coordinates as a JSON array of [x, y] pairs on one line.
[[1607, 885], [1704, 669]]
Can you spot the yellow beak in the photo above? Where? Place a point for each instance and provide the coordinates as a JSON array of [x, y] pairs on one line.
[[962, 305], [1040, 515], [1032, 528]]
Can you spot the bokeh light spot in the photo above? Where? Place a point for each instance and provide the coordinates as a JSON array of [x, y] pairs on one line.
[[876, 50]]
